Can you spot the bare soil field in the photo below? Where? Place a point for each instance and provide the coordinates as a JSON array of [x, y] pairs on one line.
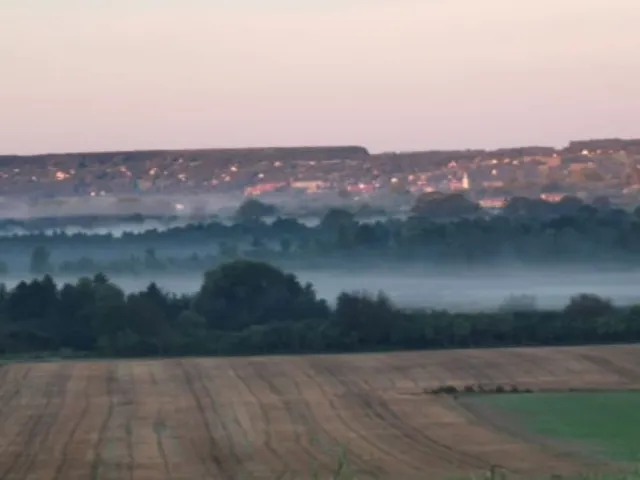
[[286, 417]]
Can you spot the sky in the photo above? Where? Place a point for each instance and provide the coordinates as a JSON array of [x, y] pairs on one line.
[[88, 75]]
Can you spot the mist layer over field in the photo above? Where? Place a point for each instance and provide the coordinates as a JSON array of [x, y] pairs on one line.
[[160, 212], [480, 289]]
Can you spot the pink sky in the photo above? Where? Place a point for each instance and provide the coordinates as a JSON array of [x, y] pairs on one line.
[[389, 75]]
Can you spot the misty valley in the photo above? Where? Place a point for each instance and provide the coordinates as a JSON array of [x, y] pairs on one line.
[[446, 254], [339, 240]]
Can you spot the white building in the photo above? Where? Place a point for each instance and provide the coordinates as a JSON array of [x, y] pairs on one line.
[[466, 184]]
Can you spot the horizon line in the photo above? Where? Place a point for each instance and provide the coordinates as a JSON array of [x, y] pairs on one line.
[[314, 147]]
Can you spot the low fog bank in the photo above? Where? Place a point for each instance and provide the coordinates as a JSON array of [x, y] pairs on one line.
[[111, 205], [457, 291], [117, 228], [117, 216], [181, 209]]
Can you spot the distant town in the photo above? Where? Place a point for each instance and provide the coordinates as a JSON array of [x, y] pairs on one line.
[[588, 169]]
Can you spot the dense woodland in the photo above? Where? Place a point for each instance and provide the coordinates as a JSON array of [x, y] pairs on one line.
[[247, 307], [442, 229]]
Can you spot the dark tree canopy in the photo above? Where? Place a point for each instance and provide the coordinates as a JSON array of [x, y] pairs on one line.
[[253, 210], [440, 205], [247, 307], [236, 295]]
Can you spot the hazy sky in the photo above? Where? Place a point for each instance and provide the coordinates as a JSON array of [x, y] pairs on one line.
[[386, 74]]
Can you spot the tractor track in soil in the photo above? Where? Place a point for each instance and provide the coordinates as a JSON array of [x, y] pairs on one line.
[[38, 431], [214, 455], [358, 431], [419, 440], [279, 463], [76, 426], [104, 426]]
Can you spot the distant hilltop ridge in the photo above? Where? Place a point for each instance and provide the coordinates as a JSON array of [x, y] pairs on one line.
[[574, 146], [236, 169], [218, 155], [228, 156]]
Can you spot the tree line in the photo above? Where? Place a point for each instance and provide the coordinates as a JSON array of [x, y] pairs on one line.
[[441, 229], [247, 307]]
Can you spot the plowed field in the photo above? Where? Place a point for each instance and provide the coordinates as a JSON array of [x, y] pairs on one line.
[[285, 417]]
